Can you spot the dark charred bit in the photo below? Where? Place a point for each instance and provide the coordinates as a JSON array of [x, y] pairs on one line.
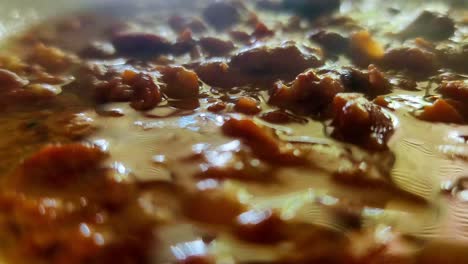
[[309, 93], [332, 42], [371, 82], [358, 121], [221, 14], [311, 8], [284, 60], [215, 46], [430, 25], [140, 44]]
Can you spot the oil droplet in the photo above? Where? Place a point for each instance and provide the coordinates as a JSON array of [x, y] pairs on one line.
[[253, 217], [207, 184], [189, 249], [159, 158], [463, 195], [84, 230]]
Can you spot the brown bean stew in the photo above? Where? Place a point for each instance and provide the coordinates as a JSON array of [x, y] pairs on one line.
[[269, 131]]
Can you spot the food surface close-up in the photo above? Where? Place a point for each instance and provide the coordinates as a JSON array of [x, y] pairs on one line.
[[262, 131]]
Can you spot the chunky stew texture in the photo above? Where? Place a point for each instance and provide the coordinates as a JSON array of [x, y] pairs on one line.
[[268, 131]]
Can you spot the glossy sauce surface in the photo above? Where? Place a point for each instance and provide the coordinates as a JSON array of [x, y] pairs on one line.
[[265, 131]]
